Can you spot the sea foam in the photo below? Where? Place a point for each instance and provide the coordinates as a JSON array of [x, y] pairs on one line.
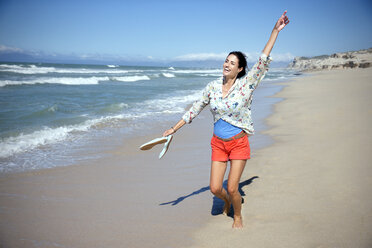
[[33, 69], [199, 71], [130, 78], [57, 80], [168, 75], [47, 136]]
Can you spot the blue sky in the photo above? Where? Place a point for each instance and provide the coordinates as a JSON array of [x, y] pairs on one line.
[[181, 30]]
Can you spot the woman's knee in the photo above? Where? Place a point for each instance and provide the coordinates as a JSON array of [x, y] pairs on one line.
[[216, 189], [232, 189]]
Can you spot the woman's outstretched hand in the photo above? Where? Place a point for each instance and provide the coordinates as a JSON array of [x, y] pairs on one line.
[[279, 25], [173, 129], [282, 22]]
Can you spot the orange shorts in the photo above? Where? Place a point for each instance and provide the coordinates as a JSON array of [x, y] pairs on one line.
[[228, 150]]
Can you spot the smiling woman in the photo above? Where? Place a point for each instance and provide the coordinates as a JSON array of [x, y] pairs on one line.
[[230, 98], [237, 61]]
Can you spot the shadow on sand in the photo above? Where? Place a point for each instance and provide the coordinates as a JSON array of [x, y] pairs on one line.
[[217, 207]]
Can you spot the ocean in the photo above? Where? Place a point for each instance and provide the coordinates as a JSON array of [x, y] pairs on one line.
[[59, 114]]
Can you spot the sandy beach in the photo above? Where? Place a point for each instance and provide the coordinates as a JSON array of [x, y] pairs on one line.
[[311, 188]]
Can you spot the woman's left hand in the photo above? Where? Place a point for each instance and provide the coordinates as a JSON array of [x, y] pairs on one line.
[[282, 22]]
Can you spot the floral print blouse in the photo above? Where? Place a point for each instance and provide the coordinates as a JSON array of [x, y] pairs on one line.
[[235, 107]]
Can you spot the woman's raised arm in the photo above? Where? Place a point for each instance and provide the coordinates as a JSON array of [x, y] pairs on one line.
[[279, 25]]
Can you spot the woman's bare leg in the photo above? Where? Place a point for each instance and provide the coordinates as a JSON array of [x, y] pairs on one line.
[[218, 169], [236, 170]]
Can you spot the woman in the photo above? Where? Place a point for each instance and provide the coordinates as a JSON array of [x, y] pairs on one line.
[[230, 98]]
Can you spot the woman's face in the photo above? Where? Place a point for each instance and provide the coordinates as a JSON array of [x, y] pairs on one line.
[[231, 67]]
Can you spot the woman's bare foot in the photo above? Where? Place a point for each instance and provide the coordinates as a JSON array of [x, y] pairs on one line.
[[238, 222]]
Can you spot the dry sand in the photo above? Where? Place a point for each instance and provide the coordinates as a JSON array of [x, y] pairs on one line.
[[314, 184], [310, 189]]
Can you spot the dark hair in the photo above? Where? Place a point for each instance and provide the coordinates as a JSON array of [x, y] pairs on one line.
[[242, 62]]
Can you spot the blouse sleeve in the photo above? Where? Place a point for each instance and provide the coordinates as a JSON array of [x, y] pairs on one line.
[[198, 105], [258, 71]]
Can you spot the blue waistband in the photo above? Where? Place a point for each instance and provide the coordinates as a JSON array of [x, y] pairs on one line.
[[225, 130]]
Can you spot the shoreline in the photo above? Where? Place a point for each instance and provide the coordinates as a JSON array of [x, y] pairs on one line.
[[113, 140]]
